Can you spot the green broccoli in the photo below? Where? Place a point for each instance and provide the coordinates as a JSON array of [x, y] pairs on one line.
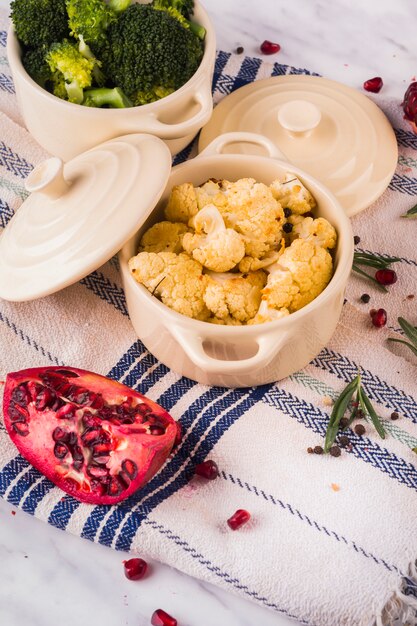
[[148, 49], [98, 77], [106, 97], [39, 22], [176, 10], [34, 62], [119, 5], [76, 70], [152, 95], [89, 19]]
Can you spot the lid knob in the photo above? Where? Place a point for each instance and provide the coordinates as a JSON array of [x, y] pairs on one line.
[[299, 117], [48, 178]]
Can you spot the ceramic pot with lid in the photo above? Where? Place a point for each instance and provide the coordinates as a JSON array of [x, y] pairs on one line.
[[65, 129], [240, 356]]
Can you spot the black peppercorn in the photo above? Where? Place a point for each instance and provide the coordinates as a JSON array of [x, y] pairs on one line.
[[356, 239], [240, 50], [335, 451], [287, 228], [287, 212], [318, 450], [365, 297], [360, 429]]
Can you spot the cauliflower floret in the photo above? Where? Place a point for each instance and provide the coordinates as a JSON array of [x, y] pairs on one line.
[[318, 231], [216, 247], [163, 237], [176, 279], [234, 295], [211, 193], [182, 203], [253, 211], [250, 264], [292, 194], [301, 274], [266, 314]]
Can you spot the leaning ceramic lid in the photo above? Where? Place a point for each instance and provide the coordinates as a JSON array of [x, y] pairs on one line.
[[80, 214], [333, 132]]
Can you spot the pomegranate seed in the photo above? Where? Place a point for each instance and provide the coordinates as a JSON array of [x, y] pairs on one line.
[[386, 277], [207, 469], [238, 519], [135, 569], [410, 103], [379, 317], [268, 47], [160, 618], [373, 84]]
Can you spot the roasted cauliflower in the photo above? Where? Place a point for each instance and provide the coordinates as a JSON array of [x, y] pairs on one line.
[[182, 203], [235, 253], [176, 279], [292, 194], [216, 247], [235, 296], [163, 237], [299, 276]]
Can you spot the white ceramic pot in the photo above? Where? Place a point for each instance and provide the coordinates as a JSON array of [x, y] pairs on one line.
[[65, 129], [240, 356]]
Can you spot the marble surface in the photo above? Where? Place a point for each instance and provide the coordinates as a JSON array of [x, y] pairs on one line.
[[48, 577]]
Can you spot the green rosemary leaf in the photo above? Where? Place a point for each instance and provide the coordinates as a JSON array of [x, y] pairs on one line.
[[355, 268], [411, 213], [354, 411], [381, 261], [405, 343], [339, 409], [409, 330], [372, 414]]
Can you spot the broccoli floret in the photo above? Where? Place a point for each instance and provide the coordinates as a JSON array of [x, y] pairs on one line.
[[90, 19], [34, 62], [98, 76], [105, 97], [185, 7], [152, 95], [148, 49], [177, 10], [119, 5], [39, 22], [76, 70]]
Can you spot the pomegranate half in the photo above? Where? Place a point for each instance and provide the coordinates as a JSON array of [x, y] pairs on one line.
[[95, 438]]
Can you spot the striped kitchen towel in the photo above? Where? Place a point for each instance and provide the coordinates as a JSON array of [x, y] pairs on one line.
[[331, 541]]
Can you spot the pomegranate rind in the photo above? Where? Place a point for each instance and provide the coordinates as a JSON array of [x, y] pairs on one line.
[[149, 452]]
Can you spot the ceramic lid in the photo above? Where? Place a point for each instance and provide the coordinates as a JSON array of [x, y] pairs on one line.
[[331, 131], [80, 214]]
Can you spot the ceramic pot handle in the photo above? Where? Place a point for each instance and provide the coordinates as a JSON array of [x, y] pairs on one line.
[[192, 345], [218, 145], [191, 126]]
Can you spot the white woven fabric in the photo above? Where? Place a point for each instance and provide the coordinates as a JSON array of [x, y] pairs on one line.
[[331, 541]]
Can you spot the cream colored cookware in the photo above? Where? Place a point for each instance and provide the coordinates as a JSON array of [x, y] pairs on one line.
[[240, 356], [333, 132], [65, 129]]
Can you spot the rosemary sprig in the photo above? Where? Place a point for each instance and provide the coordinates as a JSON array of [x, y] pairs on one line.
[[411, 213], [368, 259], [410, 331], [340, 407]]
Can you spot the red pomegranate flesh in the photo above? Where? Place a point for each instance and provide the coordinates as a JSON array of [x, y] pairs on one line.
[[410, 106], [95, 438]]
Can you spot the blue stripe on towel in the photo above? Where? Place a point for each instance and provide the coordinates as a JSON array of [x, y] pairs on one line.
[[24, 483], [312, 523], [403, 184], [102, 287], [363, 448], [11, 471], [375, 387], [12, 162], [224, 576], [3, 38], [61, 513], [6, 83], [6, 213], [31, 501], [26, 339], [406, 138], [244, 401]]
